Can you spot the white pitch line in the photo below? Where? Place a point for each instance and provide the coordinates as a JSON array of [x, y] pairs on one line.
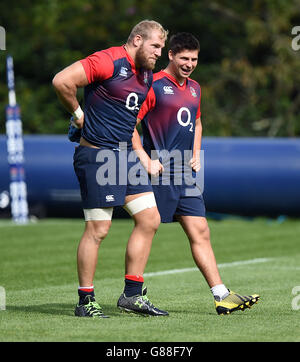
[[223, 265]]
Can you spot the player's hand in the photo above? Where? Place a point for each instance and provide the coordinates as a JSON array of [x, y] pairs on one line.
[[195, 163], [155, 167], [74, 134], [77, 123]]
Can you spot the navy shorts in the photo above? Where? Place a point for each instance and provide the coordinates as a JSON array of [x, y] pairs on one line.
[[173, 200], [106, 176]]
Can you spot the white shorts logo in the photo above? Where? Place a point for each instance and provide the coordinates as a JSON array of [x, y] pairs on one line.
[[110, 198]]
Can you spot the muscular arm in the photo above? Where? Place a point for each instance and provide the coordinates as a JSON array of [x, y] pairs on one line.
[[195, 161], [66, 83], [138, 147], [153, 167]]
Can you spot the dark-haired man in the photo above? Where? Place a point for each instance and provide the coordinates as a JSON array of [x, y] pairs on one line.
[[172, 133]]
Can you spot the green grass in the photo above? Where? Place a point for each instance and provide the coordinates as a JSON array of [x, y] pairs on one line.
[[38, 272]]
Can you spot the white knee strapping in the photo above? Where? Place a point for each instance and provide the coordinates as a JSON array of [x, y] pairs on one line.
[[98, 214], [140, 204]]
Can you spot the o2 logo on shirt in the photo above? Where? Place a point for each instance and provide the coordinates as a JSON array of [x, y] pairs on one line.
[[132, 102], [188, 120]]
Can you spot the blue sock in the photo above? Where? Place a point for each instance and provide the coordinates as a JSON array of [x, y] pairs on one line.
[[83, 292], [133, 287]]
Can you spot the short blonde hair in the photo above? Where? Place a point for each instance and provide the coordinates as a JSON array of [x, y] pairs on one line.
[[144, 28]]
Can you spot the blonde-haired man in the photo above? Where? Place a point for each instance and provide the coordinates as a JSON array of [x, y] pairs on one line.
[[116, 82]]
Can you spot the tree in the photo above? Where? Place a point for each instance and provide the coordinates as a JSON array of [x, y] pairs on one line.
[[247, 69]]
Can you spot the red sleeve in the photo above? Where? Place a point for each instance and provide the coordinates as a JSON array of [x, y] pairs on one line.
[[198, 115], [148, 104], [98, 66]]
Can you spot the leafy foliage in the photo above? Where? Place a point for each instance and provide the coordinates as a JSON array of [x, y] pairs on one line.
[[248, 71]]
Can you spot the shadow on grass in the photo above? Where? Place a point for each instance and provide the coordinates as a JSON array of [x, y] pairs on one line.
[[57, 309]]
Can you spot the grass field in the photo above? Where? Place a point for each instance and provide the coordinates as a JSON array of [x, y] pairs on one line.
[[38, 272]]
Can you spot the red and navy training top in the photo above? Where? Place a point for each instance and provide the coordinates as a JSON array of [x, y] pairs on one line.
[[169, 113], [113, 97]]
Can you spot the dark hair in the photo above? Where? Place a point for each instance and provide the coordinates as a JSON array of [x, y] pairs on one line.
[[183, 41]]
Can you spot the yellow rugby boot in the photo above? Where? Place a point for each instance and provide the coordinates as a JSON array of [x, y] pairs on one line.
[[235, 302]]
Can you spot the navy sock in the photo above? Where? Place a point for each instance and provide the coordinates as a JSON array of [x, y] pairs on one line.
[[84, 292], [133, 287]]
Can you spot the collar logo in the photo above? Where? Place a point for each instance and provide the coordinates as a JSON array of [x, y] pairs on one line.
[[193, 92]]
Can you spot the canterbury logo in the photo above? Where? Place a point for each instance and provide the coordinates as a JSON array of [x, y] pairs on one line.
[[123, 72], [168, 89], [110, 198]]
